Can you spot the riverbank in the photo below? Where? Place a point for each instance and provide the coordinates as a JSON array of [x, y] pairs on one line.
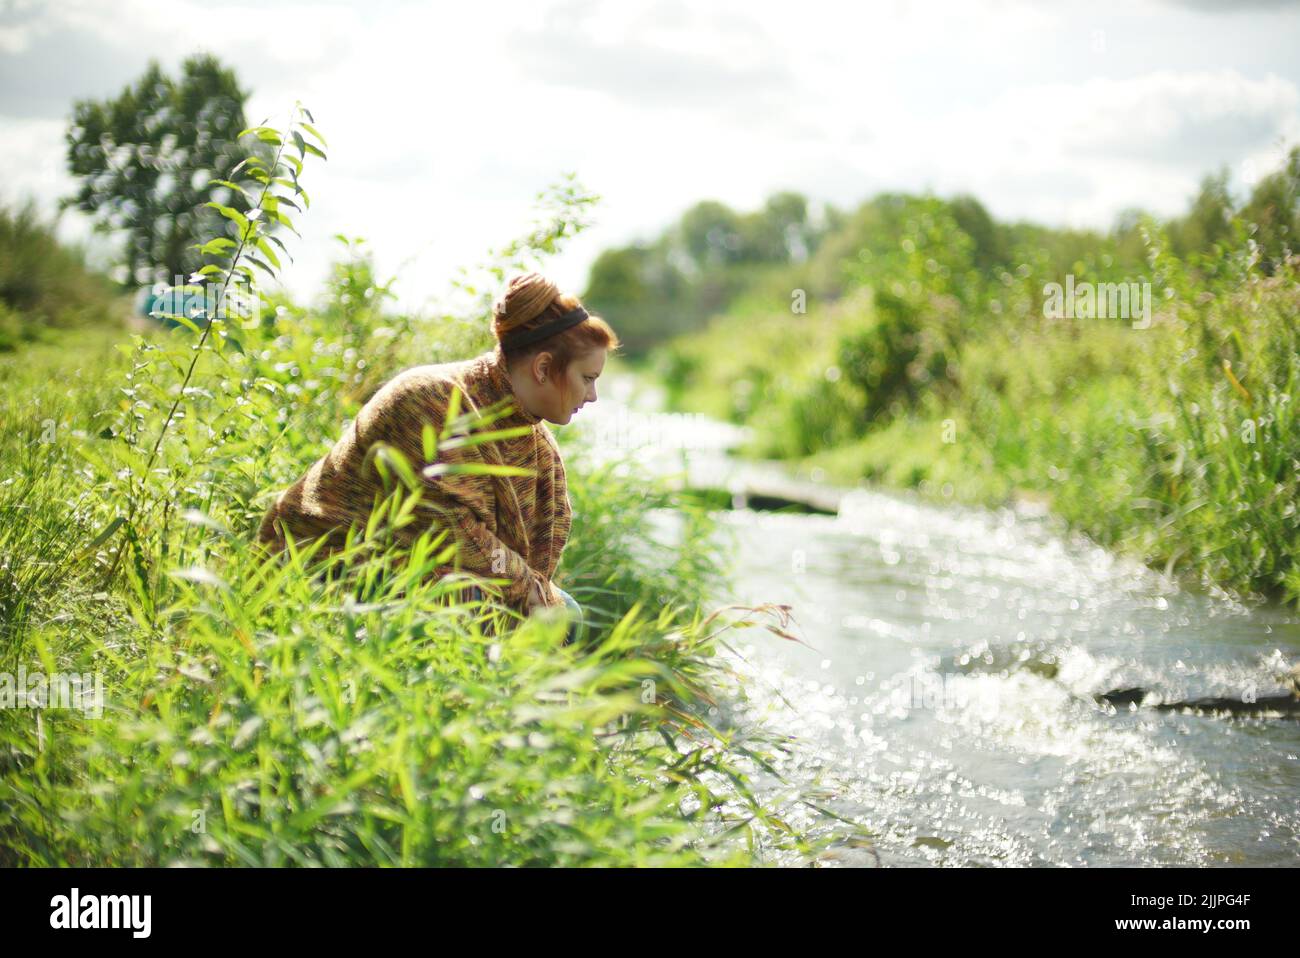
[[1175, 443]]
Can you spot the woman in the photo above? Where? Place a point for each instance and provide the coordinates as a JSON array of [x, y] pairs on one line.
[[544, 367]]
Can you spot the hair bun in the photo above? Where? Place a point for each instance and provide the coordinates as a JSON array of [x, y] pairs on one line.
[[526, 296]]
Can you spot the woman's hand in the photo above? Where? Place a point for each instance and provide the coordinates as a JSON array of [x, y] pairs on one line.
[[540, 595]]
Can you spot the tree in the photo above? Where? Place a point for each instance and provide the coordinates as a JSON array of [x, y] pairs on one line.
[[778, 233], [989, 239], [146, 159], [1208, 220], [640, 292], [1274, 210], [711, 234]]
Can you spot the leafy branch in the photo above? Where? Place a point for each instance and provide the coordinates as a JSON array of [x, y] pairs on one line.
[[254, 237]]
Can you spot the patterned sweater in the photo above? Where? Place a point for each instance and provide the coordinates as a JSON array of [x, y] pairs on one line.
[[507, 527]]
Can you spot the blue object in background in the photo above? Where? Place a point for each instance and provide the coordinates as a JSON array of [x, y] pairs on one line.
[[152, 302]]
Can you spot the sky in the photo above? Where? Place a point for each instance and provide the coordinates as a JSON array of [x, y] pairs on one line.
[[445, 121]]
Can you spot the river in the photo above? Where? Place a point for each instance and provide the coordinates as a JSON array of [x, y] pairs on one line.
[[944, 699]]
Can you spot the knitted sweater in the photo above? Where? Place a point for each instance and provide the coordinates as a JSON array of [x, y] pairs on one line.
[[507, 527]]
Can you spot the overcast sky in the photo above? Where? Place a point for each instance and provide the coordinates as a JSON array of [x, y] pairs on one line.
[[444, 121]]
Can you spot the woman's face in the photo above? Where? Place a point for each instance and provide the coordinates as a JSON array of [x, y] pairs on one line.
[[557, 398]]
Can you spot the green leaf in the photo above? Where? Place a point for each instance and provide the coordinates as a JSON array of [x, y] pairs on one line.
[[203, 576], [453, 406], [281, 218], [315, 132], [261, 264], [394, 458], [236, 217], [183, 320], [202, 519], [233, 186], [107, 531], [278, 242], [478, 438], [265, 247], [473, 469], [217, 246], [297, 190]]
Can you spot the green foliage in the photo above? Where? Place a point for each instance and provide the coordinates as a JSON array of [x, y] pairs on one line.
[[45, 285], [1273, 211], [614, 555], [927, 360], [699, 267], [1208, 221], [231, 309], [907, 350], [802, 415], [1265, 224], [277, 720]]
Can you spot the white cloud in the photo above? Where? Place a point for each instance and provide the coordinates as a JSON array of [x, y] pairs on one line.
[[445, 122]]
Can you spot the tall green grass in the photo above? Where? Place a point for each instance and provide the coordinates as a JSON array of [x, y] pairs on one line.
[[348, 710]]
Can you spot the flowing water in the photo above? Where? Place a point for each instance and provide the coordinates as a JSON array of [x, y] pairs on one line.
[[946, 701]]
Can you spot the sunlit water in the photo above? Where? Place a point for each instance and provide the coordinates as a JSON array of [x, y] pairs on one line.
[[946, 702]]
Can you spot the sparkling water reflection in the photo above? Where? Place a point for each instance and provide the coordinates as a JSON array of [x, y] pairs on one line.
[[947, 702]]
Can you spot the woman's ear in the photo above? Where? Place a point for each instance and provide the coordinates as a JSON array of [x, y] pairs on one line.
[[542, 366]]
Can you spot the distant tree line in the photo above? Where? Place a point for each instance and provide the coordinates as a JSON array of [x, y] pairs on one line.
[[714, 256]]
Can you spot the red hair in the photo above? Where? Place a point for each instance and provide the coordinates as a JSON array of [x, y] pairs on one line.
[[531, 300]]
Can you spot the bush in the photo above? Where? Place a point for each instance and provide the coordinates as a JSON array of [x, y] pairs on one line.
[[44, 285]]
